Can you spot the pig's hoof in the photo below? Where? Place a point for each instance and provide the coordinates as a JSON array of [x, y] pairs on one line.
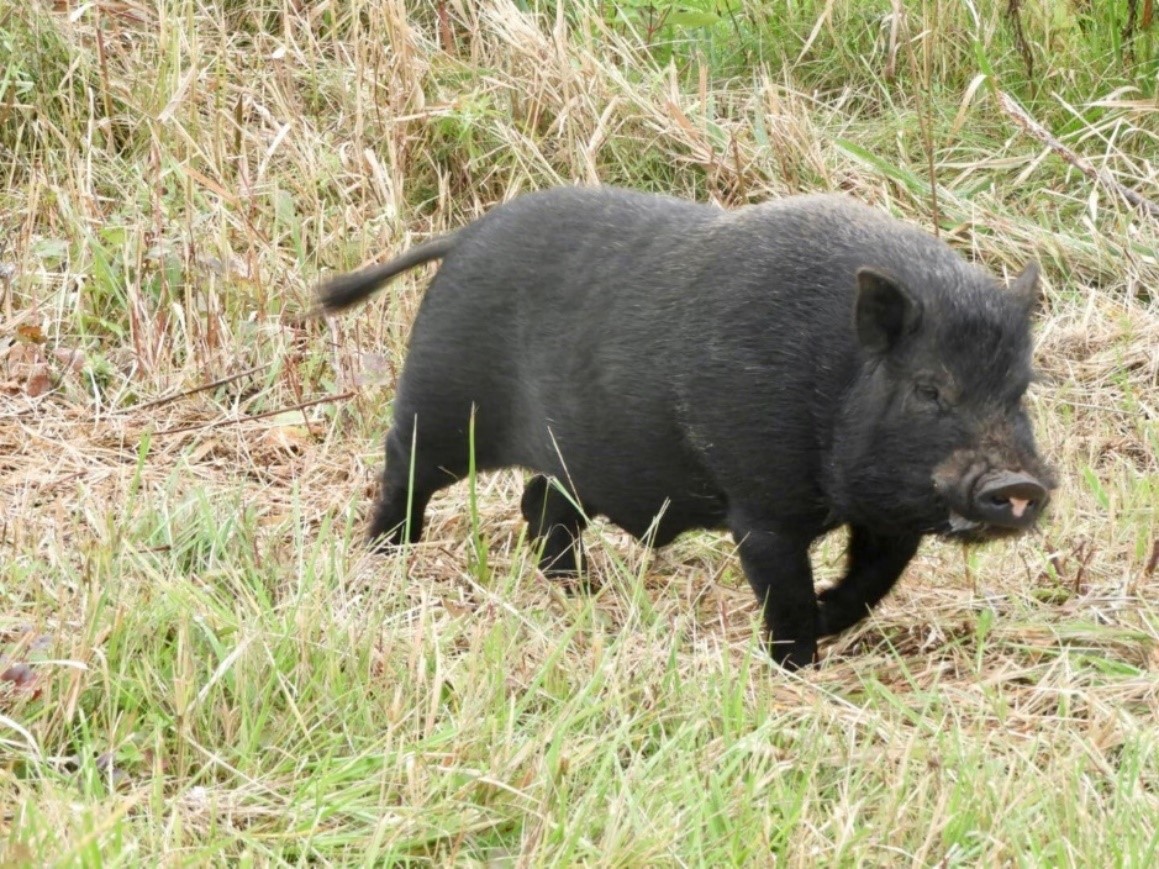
[[834, 617], [795, 654]]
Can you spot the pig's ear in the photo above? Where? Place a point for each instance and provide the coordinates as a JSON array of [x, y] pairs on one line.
[[886, 311], [1024, 288]]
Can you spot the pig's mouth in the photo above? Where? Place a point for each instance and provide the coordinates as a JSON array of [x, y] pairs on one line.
[[958, 527]]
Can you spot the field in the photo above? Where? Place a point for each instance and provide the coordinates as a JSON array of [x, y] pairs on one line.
[[200, 662]]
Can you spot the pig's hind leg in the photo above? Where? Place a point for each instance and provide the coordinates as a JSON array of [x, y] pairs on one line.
[[875, 563], [408, 482], [555, 519]]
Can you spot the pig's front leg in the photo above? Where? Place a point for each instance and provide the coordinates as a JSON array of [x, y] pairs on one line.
[[778, 570], [875, 563]]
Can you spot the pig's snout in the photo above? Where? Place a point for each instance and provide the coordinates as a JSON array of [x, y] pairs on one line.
[[1009, 499]]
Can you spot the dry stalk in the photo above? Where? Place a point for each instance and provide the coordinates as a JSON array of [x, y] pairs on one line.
[[222, 422], [1023, 119], [166, 399]]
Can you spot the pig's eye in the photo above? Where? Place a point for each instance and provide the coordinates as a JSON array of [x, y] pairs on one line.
[[928, 392]]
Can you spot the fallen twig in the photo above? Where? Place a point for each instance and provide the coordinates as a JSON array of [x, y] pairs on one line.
[[1095, 173], [166, 399], [222, 422]]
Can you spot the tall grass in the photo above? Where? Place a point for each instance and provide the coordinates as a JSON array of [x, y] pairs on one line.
[[199, 663]]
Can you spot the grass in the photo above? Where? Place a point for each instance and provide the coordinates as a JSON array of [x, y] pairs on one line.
[[200, 662]]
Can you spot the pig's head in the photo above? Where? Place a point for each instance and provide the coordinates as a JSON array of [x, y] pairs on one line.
[[933, 435]]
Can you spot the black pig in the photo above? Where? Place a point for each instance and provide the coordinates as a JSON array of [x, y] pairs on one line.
[[777, 371]]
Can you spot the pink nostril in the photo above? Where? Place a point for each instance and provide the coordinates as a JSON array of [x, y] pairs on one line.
[[1018, 506]]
